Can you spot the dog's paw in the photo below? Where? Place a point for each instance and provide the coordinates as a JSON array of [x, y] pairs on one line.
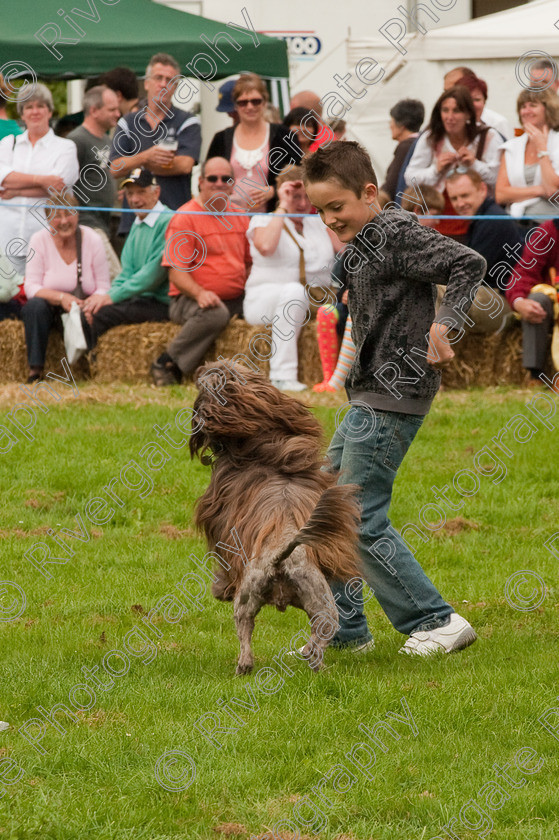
[[314, 657], [316, 666], [244, 668]]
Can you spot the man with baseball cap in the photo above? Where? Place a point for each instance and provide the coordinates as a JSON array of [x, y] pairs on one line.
[[141, 291], [225, 103]]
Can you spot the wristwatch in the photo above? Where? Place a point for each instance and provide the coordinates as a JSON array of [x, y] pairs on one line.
[[543, 154]]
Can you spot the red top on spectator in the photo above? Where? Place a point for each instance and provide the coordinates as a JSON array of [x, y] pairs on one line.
[[540, 253], [214, 250]]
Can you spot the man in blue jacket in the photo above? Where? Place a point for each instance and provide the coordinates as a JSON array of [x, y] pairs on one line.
[[494, 240]]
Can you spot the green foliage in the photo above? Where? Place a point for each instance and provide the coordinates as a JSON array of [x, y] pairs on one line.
[[471, 710], [59, 96]]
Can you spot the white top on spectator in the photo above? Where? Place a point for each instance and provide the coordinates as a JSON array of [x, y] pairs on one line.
[[423, 164], [283, 265], [51, 155], [495, 120]]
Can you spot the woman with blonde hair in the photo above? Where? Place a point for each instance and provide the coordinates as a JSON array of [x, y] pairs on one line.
[[529, 171], [254, 146]]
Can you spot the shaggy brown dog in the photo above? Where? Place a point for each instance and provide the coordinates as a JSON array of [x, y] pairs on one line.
[[291, 526]]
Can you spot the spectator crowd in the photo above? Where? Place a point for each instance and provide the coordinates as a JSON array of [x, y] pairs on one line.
[[248, 243]]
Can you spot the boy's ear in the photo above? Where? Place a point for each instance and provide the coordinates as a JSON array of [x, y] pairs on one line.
[[370, 191]]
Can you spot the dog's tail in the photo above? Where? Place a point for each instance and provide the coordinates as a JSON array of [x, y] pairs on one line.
[[331, 532]]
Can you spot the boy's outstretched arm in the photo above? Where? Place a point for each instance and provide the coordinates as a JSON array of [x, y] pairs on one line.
[[430, 257]]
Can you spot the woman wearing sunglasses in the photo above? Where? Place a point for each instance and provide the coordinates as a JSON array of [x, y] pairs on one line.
[[252, 147]]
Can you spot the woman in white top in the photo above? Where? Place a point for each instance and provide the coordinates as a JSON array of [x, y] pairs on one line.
[[529, 173], [30, 165], [453, 140], [284, 252]]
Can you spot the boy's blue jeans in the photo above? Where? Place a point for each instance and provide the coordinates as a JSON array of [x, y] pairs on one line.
[[368, 447]]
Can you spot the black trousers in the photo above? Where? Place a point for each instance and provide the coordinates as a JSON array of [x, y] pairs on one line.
[[535, 337], [135, 310], [11, 309], [39, 316]]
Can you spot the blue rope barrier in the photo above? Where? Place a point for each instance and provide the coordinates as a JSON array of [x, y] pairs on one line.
[[239, 213]]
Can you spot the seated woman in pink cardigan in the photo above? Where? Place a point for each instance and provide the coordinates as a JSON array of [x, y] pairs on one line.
[[54, 278]]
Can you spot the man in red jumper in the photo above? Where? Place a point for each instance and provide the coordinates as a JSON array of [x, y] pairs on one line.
[[209, 259]]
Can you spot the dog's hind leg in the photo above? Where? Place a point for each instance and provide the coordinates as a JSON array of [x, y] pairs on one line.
[[317, 601], [249, 599]]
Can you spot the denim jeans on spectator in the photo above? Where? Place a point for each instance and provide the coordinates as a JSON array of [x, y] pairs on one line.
[[368, 448]]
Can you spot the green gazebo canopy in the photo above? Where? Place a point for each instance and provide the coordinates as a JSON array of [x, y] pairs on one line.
[[91, 36]]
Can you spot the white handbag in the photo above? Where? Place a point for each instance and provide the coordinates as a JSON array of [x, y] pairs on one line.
[[74, 338]]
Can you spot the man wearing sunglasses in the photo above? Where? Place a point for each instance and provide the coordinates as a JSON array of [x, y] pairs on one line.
[[209, 260]]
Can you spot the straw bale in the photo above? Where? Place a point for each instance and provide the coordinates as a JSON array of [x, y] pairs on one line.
[[13, 354], [254, 342], [13, 363], [126, 353], [487, 360], [310, 368]]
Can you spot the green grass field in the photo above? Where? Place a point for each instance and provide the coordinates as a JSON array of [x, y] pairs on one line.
[[303, 756]]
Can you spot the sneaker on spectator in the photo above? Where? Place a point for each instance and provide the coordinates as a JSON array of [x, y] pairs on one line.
[[455, 635], [288, 385]]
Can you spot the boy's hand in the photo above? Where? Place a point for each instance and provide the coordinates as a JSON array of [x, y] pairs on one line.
[[439, 352]]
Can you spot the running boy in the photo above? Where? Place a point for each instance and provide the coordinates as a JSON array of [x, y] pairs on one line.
[[393, 265]]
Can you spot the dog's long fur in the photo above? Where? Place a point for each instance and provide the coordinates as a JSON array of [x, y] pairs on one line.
[[297, 527]]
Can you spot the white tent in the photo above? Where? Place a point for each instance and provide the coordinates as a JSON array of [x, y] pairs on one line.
[[501, 35], [492, 46]]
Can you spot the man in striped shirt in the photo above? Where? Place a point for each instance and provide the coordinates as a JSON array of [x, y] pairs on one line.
[[144, 139]]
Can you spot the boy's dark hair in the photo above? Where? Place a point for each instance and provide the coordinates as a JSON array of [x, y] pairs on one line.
[[4, 92], [121, 79], [408, 112], [342, 160]]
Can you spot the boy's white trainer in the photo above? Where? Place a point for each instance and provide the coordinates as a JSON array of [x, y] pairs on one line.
[[455, 635]]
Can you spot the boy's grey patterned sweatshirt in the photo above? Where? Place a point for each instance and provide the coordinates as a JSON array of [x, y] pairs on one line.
[[393, 266]]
